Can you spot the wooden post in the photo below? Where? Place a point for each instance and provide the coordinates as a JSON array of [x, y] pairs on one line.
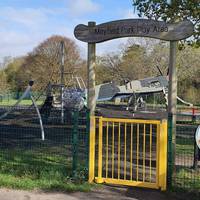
[[91, 103], [91, 74], [172, 97]]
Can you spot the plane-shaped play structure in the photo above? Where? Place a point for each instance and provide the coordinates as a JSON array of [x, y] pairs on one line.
[[135, 90]]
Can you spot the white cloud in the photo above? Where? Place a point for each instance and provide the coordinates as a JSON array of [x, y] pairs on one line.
[[17, 43], [28, 17], [24, 28], [81, 7]]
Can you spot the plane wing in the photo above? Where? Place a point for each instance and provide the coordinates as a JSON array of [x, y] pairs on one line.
[[110, 91]]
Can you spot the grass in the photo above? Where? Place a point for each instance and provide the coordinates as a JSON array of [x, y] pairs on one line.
[[183, 178], [25, 102], [184, 146], [33, 169], [26, 183], [182, 194]]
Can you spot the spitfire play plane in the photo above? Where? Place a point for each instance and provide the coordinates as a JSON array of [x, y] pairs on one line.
[[134, 91]]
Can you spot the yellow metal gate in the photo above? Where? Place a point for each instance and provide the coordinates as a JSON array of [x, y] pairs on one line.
[[128, 152]]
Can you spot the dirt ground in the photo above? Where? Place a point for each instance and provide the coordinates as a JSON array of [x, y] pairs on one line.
[[104, 192]]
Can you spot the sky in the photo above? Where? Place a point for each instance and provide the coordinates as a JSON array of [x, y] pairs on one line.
[[26, 23]]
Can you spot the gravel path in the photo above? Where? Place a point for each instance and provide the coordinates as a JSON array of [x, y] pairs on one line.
[[104, 192]]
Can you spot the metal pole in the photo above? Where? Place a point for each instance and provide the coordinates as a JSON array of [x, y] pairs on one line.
[[87, 141], [62, 79], [172, 101], [62, 63], [39, 116], [75, 116], [91, 74]]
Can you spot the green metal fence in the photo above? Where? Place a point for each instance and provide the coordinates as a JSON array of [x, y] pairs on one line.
[[61, 157], [184, 173]]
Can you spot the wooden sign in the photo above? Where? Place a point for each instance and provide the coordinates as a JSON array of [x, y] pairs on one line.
[[134, 28]]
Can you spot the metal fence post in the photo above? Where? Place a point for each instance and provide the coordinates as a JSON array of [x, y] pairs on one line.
[[100, 149], [92, 136], [87, 140], [194, 119], [75, 117], [163, 155], [169, 150]]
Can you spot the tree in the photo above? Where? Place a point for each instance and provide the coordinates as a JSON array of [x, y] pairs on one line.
[[130, 64], [4, 87], [13, 78], [6, 61], [43, 64], [188, 69], [108, 68], [176, 10], [134, 63], [158, 57], [188, 64]]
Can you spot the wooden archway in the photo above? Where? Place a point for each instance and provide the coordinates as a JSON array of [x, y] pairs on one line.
[[171, 32]]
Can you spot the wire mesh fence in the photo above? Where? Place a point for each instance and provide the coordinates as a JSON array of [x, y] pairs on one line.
[[186, 169], [10, 97], [27, 159]]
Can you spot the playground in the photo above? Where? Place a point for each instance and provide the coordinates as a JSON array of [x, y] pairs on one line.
[[68, 135], [28, 158]]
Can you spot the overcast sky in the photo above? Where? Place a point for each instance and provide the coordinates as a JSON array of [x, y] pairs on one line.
[[26, 23]]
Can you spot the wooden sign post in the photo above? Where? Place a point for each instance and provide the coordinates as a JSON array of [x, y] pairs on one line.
[[172, 32], [172, 102], [132, 28], [91, 73]]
